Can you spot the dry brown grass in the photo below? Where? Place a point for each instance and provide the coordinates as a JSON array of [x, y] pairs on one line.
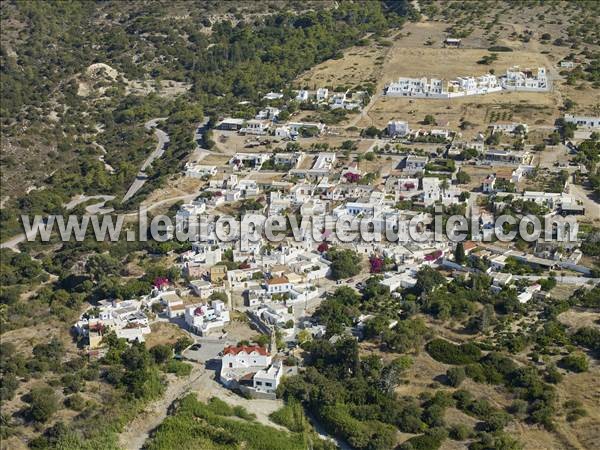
[[579, 317], [164, 333]]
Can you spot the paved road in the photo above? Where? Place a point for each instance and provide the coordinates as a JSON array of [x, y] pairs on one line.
[[140, 179], [84, 198]]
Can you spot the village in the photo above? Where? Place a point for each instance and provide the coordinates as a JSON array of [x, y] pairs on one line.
[[282, 225], [404, 171]]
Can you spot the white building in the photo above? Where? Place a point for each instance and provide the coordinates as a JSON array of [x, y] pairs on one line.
[[199, 170], [278, 285], [202, 288], [489, 183], [516, 79], [397, 128], [414, 163], [302, 96], [267, 380], [245, 357], [269, 113], [203, 319], [322, 94], [254, 126], [583, 121], [231, 124], [273, 96], [189, 213], [125, 318], [417, 87], [508, 127]]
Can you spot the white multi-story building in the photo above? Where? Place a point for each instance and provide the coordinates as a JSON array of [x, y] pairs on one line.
[[203, 319], [417, 87], [269, 113], [267, 380], [516, 79], [322, 94], [278, 285], [302, 96], [125, 318], [245, 356], [397, 128]]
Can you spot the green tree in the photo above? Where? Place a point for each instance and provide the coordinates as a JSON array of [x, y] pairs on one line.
[[43, 403], [455, 375], [459, 253]]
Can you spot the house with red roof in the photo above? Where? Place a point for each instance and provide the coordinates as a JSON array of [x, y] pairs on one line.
[[245, 356], [278, 285]]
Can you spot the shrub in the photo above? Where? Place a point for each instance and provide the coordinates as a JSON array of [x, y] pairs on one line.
[[456, 376], [575, 362], [291, 416], [459, 432], [43, 403], [449, 353], [75, 402], [179, 368], [241, 412], [431, 440]]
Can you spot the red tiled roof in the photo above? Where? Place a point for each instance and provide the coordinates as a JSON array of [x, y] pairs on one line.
[[278, 280], [245, 348], [468, 245]]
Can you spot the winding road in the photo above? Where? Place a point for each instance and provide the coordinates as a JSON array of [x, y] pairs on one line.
[[163, 140]]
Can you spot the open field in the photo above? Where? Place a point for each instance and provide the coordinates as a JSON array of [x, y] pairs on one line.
[[417, 51], [164, 333], [357, 66]]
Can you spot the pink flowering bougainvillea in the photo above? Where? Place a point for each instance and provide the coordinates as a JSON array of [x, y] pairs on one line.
[[376, 264], [161, 282], [352, 177], [323, 247]]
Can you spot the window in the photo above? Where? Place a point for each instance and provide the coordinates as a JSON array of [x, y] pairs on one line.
[[268, 384], [230, 365], [259, 383]]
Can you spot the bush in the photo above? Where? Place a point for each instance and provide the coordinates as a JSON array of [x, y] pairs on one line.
[[291, 416], [242, 413], [43, 403], [455, 375], [497, 421], [75, 402], [459, 432], [179, 368], [449, 353], [431, 440], [575, 362]]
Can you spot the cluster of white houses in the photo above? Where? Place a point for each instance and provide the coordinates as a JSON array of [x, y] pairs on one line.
[[515, 79]]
